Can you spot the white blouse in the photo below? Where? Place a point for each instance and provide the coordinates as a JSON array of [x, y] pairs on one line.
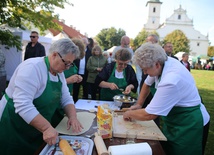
[[175, 87], [28, 83]]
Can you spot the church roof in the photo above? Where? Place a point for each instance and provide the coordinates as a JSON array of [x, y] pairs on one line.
[[179, 17], [153, 1]]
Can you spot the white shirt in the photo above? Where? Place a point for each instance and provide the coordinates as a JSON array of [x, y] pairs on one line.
[[28, 83], [176, 87], [82, 66], [139, 77]]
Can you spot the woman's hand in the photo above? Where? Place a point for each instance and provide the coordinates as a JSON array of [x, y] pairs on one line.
[[75, 124], [134, 107], [113, 86], [128, 89], [50, 135], [126, 116], [74, 79], [79, 79], [99, 69]]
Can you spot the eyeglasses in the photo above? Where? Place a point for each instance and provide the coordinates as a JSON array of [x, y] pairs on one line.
[[66, 64], [33, 36], [122, 64]]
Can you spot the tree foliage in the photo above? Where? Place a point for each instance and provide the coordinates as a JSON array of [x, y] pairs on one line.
[[141, 38], [109, 37], [210, 51], [179, 41], [24, 13]]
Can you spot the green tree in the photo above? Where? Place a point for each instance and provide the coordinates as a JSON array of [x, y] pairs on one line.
[[179, 41], [141, 38], [210, 51], [24, 13], [109, 37]]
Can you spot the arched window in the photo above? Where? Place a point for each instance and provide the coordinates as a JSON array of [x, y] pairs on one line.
[[179, 16], [154, 9]]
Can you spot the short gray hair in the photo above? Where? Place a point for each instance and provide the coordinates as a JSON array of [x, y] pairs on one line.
[[64, 46], [123, 54], [148, 54], [155, 38]]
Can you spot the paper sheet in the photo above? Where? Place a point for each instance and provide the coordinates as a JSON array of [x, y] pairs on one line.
[[91, 105]]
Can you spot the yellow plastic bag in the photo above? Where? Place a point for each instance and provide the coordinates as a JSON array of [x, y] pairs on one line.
[[104, 121]]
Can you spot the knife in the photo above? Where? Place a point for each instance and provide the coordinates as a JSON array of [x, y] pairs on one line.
[[122, 110]]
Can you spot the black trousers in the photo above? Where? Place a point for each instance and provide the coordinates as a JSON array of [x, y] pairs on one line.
[[2, 85], [205, 135], [94, 90], [76, 89]]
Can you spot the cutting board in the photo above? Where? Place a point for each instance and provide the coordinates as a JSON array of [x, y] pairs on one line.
[[142, 129]]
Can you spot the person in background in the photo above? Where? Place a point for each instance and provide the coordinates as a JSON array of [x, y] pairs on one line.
[[184, 60], [116, 76], [34, 48], [185, 118], [107, 56], [124, 43], [2, 74], [95, 64], [71, 74], [82, 71], [153, 38], [36, 89], [91, 44], [168, 47]]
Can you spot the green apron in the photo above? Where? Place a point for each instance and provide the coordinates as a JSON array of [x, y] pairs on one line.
[[106, 94], [153, 89], [71, 71], [183, 128], [16, 136]]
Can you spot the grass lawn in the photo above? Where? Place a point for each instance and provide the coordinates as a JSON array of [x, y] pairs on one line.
[[205, 83]]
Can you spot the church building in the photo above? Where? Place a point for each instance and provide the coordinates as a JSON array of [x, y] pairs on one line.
[[177, 21]]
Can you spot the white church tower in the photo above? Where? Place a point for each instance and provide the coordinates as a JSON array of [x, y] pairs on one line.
[[153, 21]]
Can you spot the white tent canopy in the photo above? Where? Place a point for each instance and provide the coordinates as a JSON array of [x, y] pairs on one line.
[[57, 37], [179, 55], [110, 50]]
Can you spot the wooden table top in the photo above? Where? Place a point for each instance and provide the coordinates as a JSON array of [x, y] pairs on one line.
[[154, 144]]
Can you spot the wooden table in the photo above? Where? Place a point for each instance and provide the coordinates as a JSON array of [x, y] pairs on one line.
[[155, 145]]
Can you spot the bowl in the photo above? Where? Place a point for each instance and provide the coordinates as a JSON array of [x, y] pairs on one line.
[[124, 99]]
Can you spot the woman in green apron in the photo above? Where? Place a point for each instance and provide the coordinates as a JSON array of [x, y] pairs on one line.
[[36, 89], [117, 75], [185, 118], [71, 73]]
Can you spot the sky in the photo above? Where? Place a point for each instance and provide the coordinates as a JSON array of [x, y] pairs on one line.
[[91, 16]]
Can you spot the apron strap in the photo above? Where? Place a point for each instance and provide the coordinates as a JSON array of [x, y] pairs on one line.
[[6, 96]]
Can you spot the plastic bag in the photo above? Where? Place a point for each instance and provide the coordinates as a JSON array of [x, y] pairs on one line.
[[104, 121]]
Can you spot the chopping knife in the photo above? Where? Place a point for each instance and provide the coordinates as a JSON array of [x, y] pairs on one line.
[[122, 110]]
